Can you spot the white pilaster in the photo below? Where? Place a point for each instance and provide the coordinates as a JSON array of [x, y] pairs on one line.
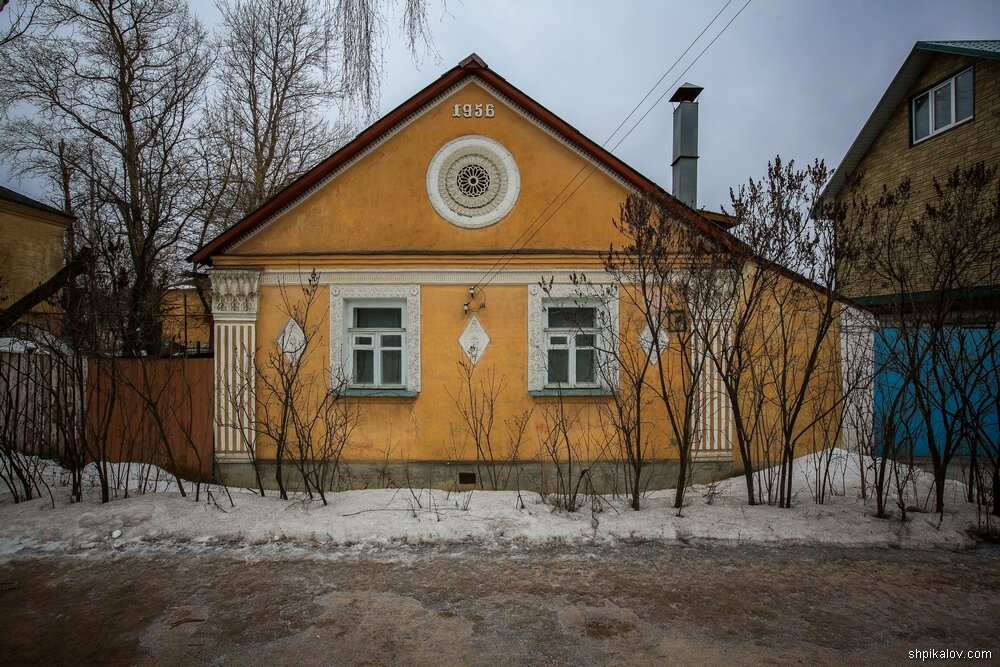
[[857, 365], [714, 415], [235, 298]]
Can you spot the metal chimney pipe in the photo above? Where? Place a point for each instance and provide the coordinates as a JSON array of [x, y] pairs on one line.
[[685, 162]]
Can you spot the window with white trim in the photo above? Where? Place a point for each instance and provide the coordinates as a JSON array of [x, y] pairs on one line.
[[945, 105], [572, 345], [376, 342]]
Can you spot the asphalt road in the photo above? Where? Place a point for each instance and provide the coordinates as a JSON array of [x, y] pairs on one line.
[[633, 605]]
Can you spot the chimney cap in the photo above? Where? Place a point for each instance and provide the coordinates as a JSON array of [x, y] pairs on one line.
[[688, 92]]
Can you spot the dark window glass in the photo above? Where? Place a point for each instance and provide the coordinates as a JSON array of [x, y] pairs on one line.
[[392, 367], [572, 318], [378, 318], [558, 366], [942, 107], [921, 117], [963, 95], [585, 371], [364, 366]]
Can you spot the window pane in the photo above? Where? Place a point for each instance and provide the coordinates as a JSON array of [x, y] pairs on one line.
[[363, 340], [364, 367], [558, 366], [572, 318], [392, 340], [392, 367], [585, 340], [558, 340], [921, 117], [585, 371], [942, 106], [378, 318], [963, 96]]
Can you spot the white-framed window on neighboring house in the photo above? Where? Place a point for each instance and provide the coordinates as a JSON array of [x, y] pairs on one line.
[[376, 342], [572, 344], [943, 106]]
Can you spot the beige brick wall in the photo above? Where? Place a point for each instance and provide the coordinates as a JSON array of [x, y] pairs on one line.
[[31, 252], [891, 157]]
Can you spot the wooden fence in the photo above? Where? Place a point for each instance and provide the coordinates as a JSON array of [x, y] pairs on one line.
[[37, 397], [145, 410]]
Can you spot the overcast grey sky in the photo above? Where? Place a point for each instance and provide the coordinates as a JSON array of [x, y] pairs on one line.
[[794, 77]]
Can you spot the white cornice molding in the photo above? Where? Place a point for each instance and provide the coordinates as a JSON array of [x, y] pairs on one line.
[[281, 277]]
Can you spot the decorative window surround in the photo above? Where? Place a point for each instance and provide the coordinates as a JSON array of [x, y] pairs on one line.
[[536, 328], [339, 295]]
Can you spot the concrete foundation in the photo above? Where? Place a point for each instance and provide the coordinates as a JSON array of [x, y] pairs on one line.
[[604, 477]]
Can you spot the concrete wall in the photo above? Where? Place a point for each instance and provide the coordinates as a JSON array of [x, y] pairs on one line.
[[605, 477]]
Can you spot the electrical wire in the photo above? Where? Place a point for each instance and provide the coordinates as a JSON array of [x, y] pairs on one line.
[[508, 256]]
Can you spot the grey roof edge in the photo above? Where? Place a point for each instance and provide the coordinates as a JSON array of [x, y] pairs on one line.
[[894, 94], [979, 48], [16, 197]]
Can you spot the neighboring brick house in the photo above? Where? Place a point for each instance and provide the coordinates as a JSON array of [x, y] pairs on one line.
[[32, 246], [934, 283], [941, 110]]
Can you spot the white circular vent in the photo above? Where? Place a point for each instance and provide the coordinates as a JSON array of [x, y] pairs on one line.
[[473, 181]]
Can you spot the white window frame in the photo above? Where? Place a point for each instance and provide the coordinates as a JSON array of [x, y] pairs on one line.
[[376, 333], [571, 333], [929, 93], [538, 301], [342, 297]]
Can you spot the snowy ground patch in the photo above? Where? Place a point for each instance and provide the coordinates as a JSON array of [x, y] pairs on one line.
[[154, 513]]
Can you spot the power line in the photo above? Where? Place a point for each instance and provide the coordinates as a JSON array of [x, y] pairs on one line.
[[631, 113], [508, 256]]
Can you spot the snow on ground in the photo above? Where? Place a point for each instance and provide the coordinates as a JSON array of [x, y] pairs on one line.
[[385, 517]]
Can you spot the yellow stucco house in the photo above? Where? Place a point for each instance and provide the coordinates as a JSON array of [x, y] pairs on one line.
[[427, 238]]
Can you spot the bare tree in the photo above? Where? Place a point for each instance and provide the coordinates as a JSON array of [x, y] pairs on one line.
[[266, 124], [105, 96], [940, 338], [292, 402], [780, 366], [16, 19], [361, 31], [658, 354]]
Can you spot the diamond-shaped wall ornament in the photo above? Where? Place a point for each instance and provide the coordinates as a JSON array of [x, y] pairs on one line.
[[646, 341], [292, 341], [474, 340]]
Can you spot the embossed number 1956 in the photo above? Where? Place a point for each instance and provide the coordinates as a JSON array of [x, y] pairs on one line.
[[473, 110]]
